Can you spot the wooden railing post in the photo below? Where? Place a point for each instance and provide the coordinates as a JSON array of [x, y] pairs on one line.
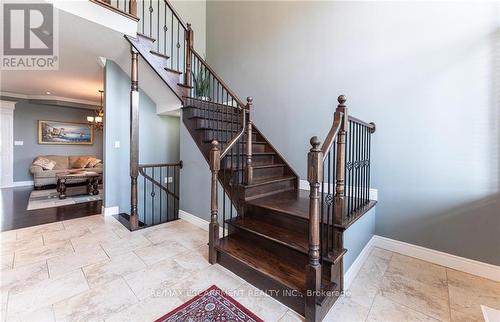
[[213, 233], [249, 167], [313, 269], [341, 209], [187, 59], [134, 138], [133, 8]]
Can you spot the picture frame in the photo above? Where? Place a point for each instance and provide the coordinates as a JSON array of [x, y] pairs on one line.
[[65, 133]]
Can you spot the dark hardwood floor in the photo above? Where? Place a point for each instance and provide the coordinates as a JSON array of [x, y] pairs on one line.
[[13, 213]]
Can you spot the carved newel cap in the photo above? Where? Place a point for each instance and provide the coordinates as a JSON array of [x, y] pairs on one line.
[[315, 142], [189, 25], [215, 144], [342, 99], [249, 99]]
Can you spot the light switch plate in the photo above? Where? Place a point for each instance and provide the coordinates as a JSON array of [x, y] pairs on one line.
[[168, 179], [117, 144], [18, 142]]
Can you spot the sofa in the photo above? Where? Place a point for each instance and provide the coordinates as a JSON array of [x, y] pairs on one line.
[[64, 163]]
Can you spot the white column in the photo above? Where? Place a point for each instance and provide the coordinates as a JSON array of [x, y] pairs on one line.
[[6, 143]]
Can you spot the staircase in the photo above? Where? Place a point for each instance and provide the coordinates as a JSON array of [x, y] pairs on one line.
[[286, 241]]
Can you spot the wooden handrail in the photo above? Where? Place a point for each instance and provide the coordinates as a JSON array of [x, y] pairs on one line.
[[156, 183], [332, 134], [237, 137], [226, 88], [155, 165], [370, 125], [183, 24]]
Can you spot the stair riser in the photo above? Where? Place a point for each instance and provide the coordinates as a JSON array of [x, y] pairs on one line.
[[260, 173], [266, 243], [215, 125], [269, 188], [188, 113], [222, 136], [256, 160], [263, 282], [212, 107], [277, 218]]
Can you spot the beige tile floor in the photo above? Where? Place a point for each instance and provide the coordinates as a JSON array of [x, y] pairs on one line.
[[93, 269]]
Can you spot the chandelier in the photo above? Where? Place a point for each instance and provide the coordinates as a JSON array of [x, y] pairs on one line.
[[97, 120]]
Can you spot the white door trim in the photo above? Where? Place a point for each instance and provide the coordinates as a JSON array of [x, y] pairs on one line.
[[7, 143]]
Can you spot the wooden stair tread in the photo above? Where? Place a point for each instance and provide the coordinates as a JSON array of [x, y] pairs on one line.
[[157, 53], [282, 235], [269, 180], [172, 71], [256, 153], [263, 166], [296, 203], [267, 262], [147, 37], [184, 85]]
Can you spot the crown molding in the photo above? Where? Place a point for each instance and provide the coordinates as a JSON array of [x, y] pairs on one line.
[[50, 98]]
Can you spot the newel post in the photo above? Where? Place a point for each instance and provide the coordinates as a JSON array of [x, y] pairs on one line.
[[341, 159], [134, 138], [187, 60], [313, 268], [213, 233], [249, 167]]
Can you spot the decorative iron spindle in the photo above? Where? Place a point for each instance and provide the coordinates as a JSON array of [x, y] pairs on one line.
[[159, 190], [337, 205]]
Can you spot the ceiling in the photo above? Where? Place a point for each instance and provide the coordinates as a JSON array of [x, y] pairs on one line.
[[80, 74]]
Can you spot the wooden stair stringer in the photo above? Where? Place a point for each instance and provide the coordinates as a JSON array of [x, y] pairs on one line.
[[143, 45]]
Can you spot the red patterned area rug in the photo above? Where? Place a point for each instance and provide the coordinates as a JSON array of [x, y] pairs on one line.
[[211, 305]]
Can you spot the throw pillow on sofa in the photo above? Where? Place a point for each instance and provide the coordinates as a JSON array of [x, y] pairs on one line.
[[93, 162], [46, 164], [81, 162]]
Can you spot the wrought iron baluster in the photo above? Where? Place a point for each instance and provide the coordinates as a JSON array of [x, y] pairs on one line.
[[161, 194], [172, 40], [178, 44], [142, 17], [168, 195]]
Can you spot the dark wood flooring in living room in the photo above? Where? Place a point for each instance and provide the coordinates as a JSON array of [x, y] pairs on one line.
[[13, 215]]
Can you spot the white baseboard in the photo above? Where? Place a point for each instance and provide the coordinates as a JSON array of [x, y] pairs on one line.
[[433, 256], [355, 267], [197, 221], [440, 258], [19, 184], [304, 185], [110, 211]]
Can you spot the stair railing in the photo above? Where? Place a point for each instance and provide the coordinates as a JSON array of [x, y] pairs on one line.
[[159, 20], [232, 162], [339, 178], [159, 201]]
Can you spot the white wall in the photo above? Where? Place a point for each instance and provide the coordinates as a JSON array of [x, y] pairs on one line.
[[194, 12]]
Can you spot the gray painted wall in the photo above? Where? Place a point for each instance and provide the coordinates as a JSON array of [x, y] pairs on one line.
[[195, 178], [26, 116], [357, 236], [116, 128], [426, 73], [158, 136]]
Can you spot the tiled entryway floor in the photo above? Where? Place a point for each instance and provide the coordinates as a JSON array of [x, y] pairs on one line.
[[93, 269]]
